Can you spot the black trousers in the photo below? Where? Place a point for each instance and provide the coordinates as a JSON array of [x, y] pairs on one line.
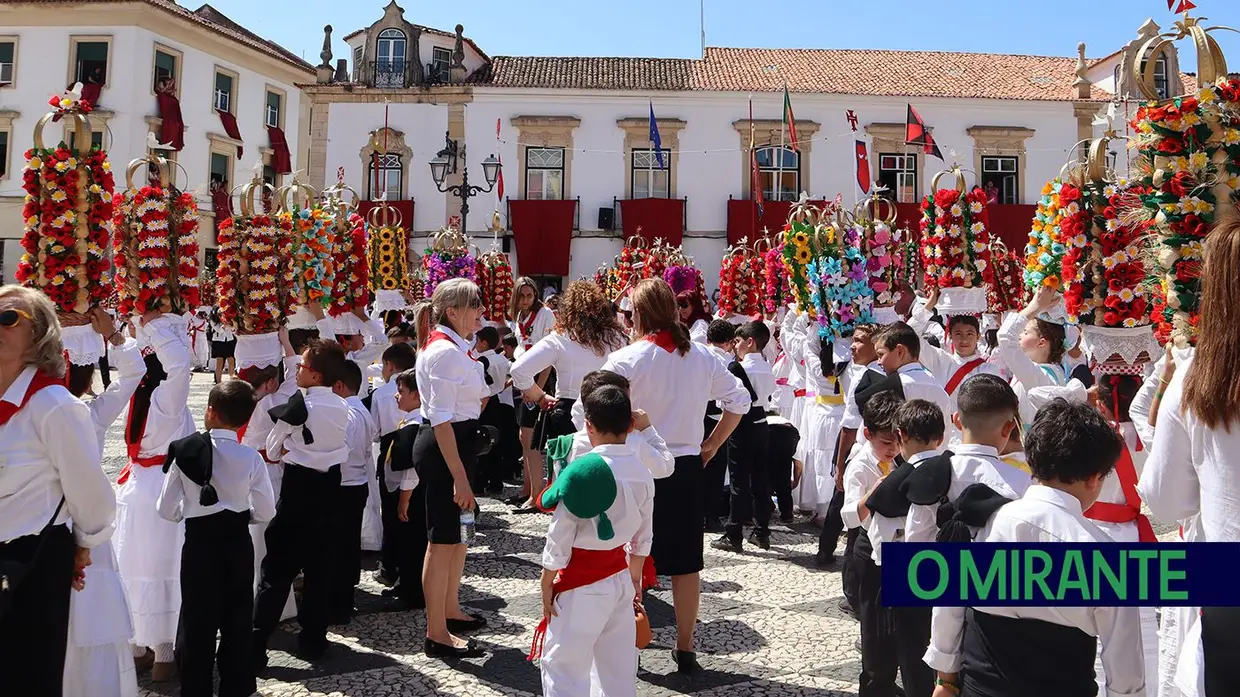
[[850, 572], [489, 470], [411, 554], [1219, 644], [299, 540], [833, 526], [217, 595], [347, 571], [35, 631], [749, 479], [891, 639], [715, 502], [105, 369], [780, 473], [387, 511]]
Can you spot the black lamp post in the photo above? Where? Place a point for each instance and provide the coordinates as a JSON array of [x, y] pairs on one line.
[[445, 163]]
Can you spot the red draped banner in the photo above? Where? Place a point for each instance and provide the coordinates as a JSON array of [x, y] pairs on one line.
[[281, 161], [1010, 222], [655, 217], [230, 127], [744, 221], [171, 128], [543, 231]]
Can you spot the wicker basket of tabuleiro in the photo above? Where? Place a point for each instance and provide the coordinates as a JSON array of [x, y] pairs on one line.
[[955, 245], [254, 278], [67, 219]]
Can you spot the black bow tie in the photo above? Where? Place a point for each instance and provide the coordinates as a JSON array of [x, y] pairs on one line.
[[294, 413], [193, 456]]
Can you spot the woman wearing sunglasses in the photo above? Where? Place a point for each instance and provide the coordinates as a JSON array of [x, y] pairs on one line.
[[452, 388], [50, 474], [693, 314]]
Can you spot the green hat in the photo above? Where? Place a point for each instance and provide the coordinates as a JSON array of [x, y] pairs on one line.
[[587, 488]]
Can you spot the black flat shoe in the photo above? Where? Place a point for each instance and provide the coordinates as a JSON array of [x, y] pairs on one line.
[[516, 500], [469, 625], [434, 649], [761, 540], [526, 510], [686, 662], [726, 544], [402, 605], [382, 578]]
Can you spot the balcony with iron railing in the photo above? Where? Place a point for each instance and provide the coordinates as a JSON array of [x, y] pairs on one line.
[[400, 74]]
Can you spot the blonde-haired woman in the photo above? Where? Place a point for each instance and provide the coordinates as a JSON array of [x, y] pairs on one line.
[[452, 387], [421, 321], [672, 379], [1193, 468], [530, 321], [51, 475]]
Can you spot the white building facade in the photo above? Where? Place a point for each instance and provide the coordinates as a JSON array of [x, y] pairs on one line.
[[129, 51]]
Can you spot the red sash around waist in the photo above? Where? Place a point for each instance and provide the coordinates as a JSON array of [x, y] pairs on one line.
[[156, 461], [799, 393], [1128, 511], [585, 566]]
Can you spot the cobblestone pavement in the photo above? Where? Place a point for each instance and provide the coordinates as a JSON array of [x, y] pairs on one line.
[[770, 624]]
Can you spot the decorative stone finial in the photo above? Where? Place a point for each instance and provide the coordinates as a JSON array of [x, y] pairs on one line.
[[458, 51], [1082, 81], [326, 53]]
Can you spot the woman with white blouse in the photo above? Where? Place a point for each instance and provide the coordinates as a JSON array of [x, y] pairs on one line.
[[530, 321], [51, 474], [586, 331], [452, 388], [1192, 468], [1033, 350], [672, 379]]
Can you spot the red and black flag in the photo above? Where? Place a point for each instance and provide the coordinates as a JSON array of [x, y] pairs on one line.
[[916, 133], [863, 167]]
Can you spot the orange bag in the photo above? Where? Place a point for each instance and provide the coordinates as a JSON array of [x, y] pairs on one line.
[[644, 634]]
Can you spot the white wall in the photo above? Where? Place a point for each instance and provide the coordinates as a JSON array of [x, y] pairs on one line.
[[43, 61]]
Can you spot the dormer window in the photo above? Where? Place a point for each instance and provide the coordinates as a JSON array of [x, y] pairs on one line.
[[1162, 82], [441, 63], [390, 59]]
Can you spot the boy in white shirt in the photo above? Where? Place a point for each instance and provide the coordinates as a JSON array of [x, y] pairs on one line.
[[596, 547], [219, 488], [382, 403], [748, 444], [354, 490], [490, 477]]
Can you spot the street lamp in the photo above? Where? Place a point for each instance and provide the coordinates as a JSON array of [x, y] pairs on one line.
[[445, 163]]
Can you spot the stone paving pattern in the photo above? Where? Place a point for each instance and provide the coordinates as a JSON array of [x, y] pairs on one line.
[[770, 625]]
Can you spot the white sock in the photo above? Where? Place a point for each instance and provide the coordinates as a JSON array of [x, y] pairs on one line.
[[163, 653]]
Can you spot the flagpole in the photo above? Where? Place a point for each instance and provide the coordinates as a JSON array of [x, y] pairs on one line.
[[650, 160], [779, 172], [754, 180]]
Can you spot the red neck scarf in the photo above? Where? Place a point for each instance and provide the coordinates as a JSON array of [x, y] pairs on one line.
[[524, 328], [437, 335], [40, 380], [663, 339]]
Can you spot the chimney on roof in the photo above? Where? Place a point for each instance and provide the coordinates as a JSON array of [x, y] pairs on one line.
[[342, 71], [323, 71], [1081, 84]]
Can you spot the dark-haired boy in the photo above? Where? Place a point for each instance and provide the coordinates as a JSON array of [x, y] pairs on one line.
[[748, 444], [354, 490], [645, 440], [219, 488], [309, 437], [362, 337], [876, 459], [407, 529], [1071, 449], [962, 360], [597, 543], [721, 342], [898, 350], [397, 358], [495, 412]]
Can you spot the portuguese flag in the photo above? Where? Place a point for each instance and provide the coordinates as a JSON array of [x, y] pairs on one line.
[[789, 122]]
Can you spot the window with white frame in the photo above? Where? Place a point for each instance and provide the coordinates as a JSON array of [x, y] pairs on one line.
[[225, 87], [1000, 179], [8, 57], [649, 179], [898, 174], [390, 69], [221, 171], [544, 173], [275, 104], [779, 171], [383, 177], [90, 62], [1161, 84], [164, 78], [441, 63]]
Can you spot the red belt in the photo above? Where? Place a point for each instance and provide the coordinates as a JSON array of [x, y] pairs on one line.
[[799, 393], [585, 566], [1130, 510], [781, 381], [156, 461]]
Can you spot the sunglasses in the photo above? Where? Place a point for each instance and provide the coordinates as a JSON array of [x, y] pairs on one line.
[[10, 318], [683, 304]]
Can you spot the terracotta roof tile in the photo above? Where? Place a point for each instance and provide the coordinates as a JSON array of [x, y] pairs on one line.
[[205, 16], [589, 73]]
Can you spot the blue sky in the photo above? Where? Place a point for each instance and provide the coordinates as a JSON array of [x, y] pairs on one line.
[[670, 28]]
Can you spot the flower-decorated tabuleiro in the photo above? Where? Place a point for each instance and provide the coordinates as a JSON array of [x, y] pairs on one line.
[[155, 246], [955, 244], [388, 257], [740, 281], [448, 257], [495, 281], [881, 247], [351, 285], [67, 216], [254, 276]]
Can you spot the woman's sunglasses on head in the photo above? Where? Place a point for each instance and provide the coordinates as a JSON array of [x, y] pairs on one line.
[[10, 318]]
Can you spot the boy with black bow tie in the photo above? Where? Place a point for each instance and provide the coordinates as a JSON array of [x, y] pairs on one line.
[[219, 488]]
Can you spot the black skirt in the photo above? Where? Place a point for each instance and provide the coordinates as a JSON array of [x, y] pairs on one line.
[[223, 349], [527, 415], [443, 516], [677, 546]]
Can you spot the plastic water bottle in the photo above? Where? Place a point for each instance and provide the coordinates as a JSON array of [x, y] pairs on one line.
[[467, 527]]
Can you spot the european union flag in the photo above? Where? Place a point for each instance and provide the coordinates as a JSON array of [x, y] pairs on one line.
[[655, 140]]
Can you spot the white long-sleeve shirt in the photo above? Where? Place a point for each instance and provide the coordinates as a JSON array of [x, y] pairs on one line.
[[359, 437], [1143, 400], [944, 364], [499, 368], [169, 417], [1044, 515], [674, 389], [864, 472], [49, 449], [1026, 374], [570, 359], [130, 368], [450, 382], [631, 515], [646, 444], [1191, 468], [260, 421], [697, 332], [376, 341], [530, 332], [919, 383], [971, 464], [328, 418], [761, 378], [239, 476], [883, 529]]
